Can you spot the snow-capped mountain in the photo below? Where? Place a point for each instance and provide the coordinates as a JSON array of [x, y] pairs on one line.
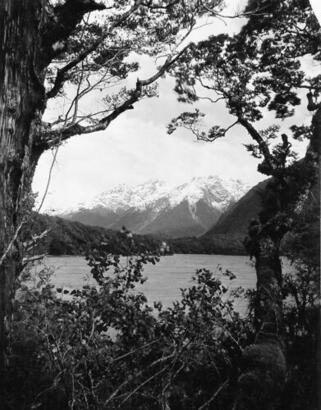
[[155, 208]]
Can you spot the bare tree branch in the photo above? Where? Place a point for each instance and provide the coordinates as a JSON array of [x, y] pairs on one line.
[[129, 395], [216, 393], [162, 359], [62, 73], [49, 139], [260, 141]]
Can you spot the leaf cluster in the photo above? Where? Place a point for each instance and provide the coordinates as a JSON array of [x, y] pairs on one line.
[[256, 71]]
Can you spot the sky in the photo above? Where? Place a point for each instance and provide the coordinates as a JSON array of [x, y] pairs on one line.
[[135, 148]]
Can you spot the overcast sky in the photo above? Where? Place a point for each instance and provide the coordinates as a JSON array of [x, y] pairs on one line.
[[136, 148]]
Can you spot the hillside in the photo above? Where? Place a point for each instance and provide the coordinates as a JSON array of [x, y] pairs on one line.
[[228, 233], [235, 220], [74, 238]]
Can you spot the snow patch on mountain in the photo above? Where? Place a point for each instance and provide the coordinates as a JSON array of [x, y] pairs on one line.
[[158, 195], [215, 191], [126, 197]]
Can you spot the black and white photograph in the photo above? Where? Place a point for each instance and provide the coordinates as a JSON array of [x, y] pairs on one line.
[[160, 204]]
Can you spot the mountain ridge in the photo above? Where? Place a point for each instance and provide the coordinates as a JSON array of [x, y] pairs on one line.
[[188, 209]]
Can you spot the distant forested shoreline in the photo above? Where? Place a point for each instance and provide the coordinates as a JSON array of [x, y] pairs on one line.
[[65, 237]]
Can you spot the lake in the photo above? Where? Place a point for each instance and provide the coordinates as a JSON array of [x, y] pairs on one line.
[[165, 278]]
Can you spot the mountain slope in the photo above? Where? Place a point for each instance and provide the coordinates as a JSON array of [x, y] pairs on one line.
[[184, 219], [154, 208], [236, 219], [232, 227]]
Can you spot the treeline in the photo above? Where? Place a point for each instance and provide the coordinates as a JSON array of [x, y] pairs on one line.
[[65, 237], [74, 238], [215, 244]]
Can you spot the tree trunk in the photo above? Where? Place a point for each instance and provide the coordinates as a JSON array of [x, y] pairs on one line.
[[264, 367], [263, 363], [268, 309], [22, 103]]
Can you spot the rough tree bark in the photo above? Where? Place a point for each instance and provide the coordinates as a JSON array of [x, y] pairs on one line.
[[21, 106], [264, 366], [28, 31]]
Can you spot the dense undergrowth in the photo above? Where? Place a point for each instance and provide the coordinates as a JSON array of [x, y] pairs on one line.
[[104, 347]]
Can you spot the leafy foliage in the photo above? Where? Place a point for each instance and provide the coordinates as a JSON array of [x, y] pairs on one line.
[[259, 69]]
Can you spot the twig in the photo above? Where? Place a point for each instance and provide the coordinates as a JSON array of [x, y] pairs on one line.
[[160, 360], [49, 178], [133, 351], [209, 401], [14, 238], [142, 385]]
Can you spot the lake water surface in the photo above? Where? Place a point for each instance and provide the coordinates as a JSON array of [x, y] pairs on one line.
[[165, 278]]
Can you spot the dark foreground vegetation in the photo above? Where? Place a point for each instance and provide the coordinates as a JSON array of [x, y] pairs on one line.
[[104, 347]]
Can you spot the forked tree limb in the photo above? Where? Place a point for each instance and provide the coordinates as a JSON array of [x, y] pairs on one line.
[[51, 138], [62, 73]]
